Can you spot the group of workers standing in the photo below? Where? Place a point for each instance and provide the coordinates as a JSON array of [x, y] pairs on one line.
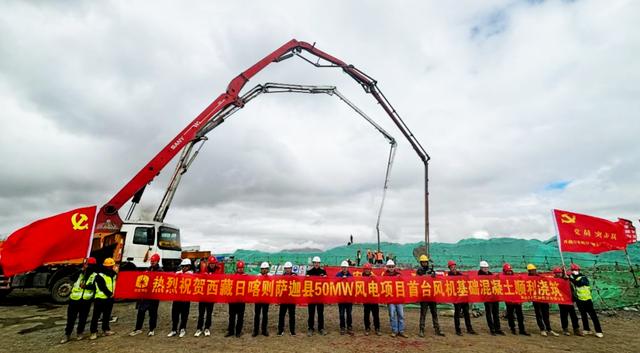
[[98, 285]]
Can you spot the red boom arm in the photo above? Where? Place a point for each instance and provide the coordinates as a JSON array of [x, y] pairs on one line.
[[108, 219]]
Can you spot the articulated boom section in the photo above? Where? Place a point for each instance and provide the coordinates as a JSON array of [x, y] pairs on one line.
[[108, 219]]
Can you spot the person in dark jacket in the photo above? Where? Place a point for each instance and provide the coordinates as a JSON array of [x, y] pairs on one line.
[[105, 282], [205, 309], [541, 310], [316, 270], [261, 309], [567, 311], [236, 310], [584, 301], [180, 309], [492, 309], [460, 308], [287, 308], [426, 270], [80, 300], [514, 309], [150, 305], [371, 309], [345, 309]]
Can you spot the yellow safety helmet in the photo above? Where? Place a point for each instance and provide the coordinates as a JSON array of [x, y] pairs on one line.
[[108, 262], [423, 258], [531, 267]]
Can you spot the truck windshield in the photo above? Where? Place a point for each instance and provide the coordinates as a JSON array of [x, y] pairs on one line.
[[169, 239]]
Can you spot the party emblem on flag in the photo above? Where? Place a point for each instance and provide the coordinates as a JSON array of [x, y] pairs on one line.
[[80, 224], [565, 218]]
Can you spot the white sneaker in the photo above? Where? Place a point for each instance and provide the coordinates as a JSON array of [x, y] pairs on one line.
[[172, 333], [135, 332], [197, 334], [543, 333], [93, 336], [587, 333], [599, 334], [182, 333], [207, 333], [553, 333], [151, 333]]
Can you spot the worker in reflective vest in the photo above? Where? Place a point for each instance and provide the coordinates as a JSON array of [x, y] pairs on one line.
[[105, 282], [80, 300], [584, 301]]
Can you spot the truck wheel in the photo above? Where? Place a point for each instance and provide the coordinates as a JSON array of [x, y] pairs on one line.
[[61, 290], [4, 292]]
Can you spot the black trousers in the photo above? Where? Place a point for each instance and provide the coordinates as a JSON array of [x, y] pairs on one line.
[[260, 310], [431, 306], [371, 310], [312, 308], [586, 307], [179, 315], [492, 312], [152, 307], [461, 308], [542, 316], [236, 318], [204, 309], [567, 311], [77, 309], [514, 311], [284, 309], [101, 307], [344, 311]]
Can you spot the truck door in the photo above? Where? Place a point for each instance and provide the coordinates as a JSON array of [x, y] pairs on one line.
[[139, 246]]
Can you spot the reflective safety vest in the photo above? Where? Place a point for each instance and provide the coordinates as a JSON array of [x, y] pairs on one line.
[[583, 293], [78, 292], [110, 282]]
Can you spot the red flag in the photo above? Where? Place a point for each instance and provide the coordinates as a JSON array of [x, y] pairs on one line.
[[62, 237], [629, 230], [582, 233]]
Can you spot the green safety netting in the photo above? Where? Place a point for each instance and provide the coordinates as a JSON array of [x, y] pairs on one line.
[[612, 282]]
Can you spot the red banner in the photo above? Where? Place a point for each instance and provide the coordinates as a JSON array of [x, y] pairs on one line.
[[329, 290], [582, 233], [62, 237], [629, 230]]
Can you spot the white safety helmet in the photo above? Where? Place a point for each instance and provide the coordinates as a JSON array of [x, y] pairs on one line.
[[288, 264], [484, 264], [390, 263], [344, 264], [185, 262], [264, 265], [316, 259]]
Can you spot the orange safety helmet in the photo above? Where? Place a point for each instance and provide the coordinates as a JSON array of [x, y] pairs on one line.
[[155, 258], [451, 263], [213, 260]]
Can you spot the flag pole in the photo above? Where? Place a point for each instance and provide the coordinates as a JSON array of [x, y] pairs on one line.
[[93, 228], [635, 278], [555, 225]]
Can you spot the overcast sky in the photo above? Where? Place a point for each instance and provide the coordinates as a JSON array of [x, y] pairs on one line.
[[524, 106]]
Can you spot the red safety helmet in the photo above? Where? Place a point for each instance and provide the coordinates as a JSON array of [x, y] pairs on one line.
[[557, 270], [506, 267], [155, 258], [575, 267], [451, 263], [240, 264], [213, 260], [367, 266], [91, 261]]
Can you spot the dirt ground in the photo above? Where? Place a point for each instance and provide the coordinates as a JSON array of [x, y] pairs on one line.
[[30, 323]]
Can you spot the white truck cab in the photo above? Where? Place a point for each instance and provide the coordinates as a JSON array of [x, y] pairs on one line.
[[145, 238]]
